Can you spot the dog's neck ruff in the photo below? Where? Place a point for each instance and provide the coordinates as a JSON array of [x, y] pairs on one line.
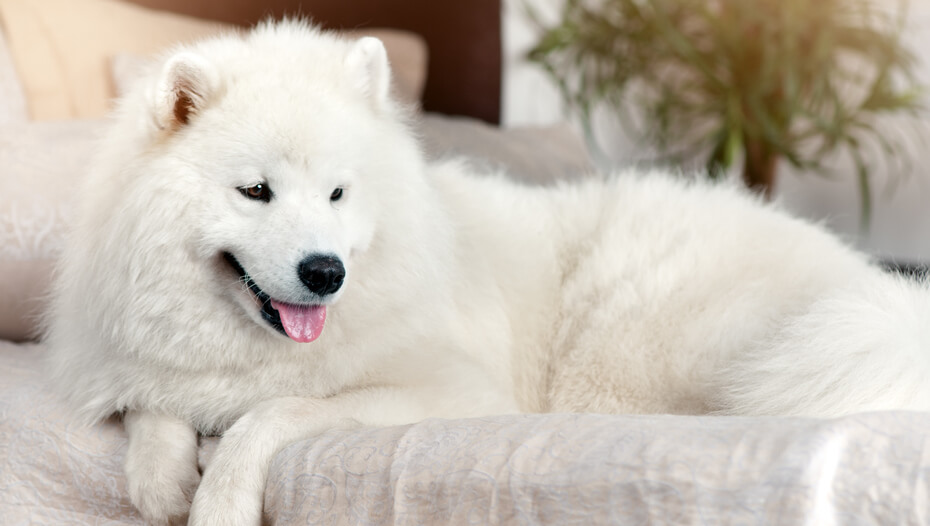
[[301, 323]]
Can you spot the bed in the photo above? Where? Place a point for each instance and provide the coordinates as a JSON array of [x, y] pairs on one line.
[[60, 63]]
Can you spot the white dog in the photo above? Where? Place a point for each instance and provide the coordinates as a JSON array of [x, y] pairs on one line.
[[261, 251]]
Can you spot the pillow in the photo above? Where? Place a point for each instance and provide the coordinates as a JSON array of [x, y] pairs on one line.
[[62, 50], [12, 100], [42, 164]]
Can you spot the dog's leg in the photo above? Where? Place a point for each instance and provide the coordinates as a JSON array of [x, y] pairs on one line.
[[232, 489], [161, 466]]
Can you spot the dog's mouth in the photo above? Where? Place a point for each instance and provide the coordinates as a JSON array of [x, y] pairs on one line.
[[301, 323]]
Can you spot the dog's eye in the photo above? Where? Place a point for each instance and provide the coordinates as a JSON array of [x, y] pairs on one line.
[[336, 195], [258, 192]]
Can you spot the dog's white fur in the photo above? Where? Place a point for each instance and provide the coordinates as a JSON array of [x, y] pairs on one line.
[[466, 294]]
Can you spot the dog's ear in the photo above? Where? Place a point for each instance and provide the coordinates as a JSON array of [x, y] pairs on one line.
[[367, 63], [186, 85]]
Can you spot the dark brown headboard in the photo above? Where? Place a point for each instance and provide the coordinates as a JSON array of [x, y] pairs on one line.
[[464, 39]]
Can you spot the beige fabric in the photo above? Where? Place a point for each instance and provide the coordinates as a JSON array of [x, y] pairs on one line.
[[63, 48]]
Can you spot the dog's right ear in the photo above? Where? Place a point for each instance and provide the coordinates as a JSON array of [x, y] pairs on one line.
[[367, 62], [188, 82]]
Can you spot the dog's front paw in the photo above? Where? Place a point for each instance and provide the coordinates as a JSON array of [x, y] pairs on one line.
[[162, 488], [218, 504], [161, 467]]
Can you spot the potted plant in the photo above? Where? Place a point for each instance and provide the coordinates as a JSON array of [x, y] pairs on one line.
[[730, 80]]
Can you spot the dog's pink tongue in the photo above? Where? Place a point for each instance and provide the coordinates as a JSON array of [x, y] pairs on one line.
[[303, 323]]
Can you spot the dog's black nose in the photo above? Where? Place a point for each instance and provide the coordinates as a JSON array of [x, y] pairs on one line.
[[322, 274]]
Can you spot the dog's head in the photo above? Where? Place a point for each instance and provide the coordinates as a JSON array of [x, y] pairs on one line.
[[283, 141]]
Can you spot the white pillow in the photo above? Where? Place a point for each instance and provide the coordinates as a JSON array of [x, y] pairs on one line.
[[41, 164], [12, 100]]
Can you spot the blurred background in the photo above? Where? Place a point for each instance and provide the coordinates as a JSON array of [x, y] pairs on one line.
[[894, 224]]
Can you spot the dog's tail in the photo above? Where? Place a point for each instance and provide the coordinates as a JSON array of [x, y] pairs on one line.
[[864, 348]]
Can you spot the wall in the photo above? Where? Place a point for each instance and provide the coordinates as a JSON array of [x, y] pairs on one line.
[[900, 225]]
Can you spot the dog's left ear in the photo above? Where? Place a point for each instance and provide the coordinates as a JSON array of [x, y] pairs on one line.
[[367, 63], [188, 82]]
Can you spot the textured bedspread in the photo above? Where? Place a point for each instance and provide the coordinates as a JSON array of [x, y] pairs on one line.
[[537, 469]]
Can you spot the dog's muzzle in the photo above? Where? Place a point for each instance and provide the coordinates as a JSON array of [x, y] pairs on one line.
[[323, 275]]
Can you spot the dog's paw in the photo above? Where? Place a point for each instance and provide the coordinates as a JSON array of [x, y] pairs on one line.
[[161, 467], [162, 489], [219, 505]]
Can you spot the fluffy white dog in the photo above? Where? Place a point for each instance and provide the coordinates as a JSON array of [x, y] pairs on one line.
[[261, 251]]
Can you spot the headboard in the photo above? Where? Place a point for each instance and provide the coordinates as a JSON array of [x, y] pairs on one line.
[[464, 39]]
